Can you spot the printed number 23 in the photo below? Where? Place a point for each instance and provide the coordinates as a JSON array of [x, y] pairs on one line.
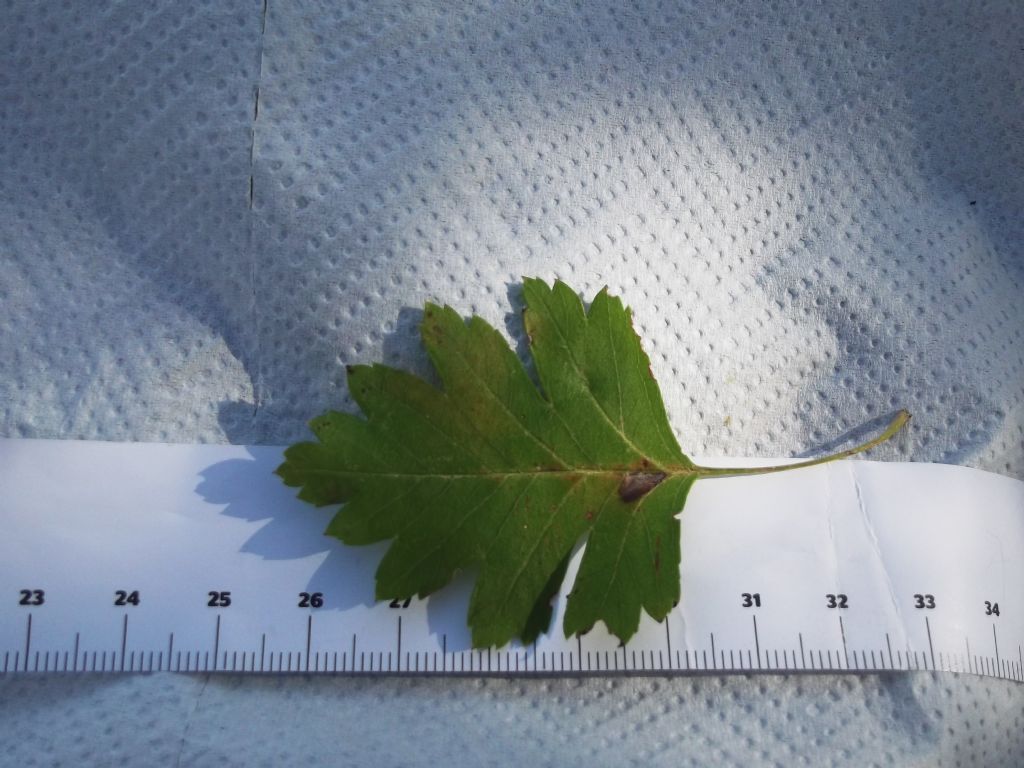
[[31, 597]]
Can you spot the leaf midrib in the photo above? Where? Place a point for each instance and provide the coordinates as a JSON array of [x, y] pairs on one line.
[[616, 473]]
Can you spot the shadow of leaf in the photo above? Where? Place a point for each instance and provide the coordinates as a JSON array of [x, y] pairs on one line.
[[346, 575]]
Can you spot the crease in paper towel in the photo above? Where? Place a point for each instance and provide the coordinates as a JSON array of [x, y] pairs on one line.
[[876, 549]]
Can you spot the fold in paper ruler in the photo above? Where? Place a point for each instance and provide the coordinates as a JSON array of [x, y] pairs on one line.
[[196, 558]]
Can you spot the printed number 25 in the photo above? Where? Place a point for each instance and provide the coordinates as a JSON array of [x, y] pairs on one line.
[[219, 599]]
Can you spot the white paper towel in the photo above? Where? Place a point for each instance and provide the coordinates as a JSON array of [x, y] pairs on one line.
[[207, 209]]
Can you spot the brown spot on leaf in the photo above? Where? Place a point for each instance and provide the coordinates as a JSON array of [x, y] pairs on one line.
[[635, 485], [588, 515]]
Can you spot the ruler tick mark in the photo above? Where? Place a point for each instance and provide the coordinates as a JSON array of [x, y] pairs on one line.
[[398, 645], [216, 643], [668, 643], [757, 642], [28, 639], [309, 636], [124, 639], [931, 648], [842, 633]]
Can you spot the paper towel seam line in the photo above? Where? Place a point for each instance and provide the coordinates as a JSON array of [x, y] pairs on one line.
[[257, 383], [188, 721], [256, 107]]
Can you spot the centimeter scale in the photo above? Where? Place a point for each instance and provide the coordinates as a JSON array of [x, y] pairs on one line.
[[119, 557]]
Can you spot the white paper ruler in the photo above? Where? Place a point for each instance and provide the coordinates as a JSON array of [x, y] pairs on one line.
[[122, 557]]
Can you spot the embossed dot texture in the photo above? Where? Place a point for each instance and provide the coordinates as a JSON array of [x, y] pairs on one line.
[[207, 209]]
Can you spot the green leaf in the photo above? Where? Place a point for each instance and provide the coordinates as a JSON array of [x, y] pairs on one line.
[[492, 473]]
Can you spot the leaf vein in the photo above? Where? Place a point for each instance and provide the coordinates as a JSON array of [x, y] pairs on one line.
[[454, 529], [540, 539], [579, 371], [494, 396]]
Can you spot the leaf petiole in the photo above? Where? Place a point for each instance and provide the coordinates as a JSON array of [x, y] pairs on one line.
[[894, 426]]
